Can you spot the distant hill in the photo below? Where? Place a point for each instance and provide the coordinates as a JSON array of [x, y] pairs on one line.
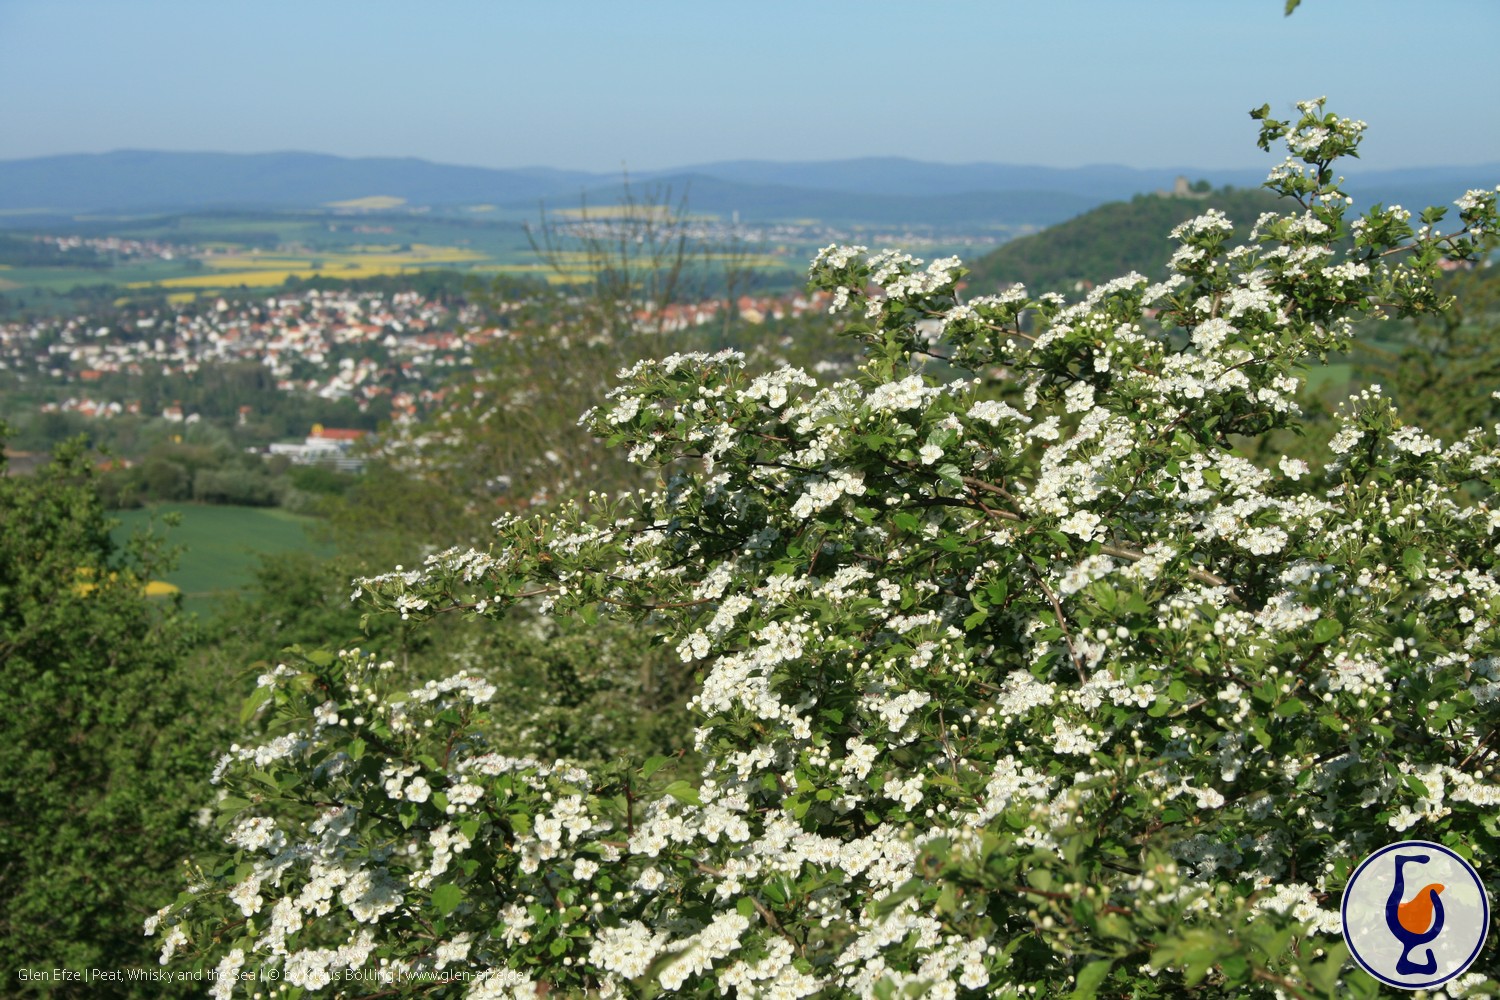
[[140, 181], [889, 175], [1109, 241], [1412, 186], [873, 190], [1417, 188], [50, 188], [978, 208]]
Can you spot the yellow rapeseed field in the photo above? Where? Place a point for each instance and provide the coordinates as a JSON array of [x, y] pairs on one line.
[[85, 585], [373, 202], [603, 212], [258, 269], [267, 270]]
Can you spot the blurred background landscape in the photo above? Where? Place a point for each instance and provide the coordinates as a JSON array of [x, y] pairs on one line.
[[296, 293]]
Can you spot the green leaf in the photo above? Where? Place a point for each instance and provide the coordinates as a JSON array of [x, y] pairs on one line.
[[1091, 977], [1290, 707], [321, 657], [652, 765], [1327, 629], [229, 808], [257, 698], [1414, 563], [887, 905], [446, 897], [1325, 974], [948, 899], [1105, 595], [684, 792]]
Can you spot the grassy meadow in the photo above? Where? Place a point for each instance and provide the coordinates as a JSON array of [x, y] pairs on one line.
[[220, 544]]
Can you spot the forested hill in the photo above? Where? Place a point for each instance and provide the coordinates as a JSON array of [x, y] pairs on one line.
[[1109, 241]]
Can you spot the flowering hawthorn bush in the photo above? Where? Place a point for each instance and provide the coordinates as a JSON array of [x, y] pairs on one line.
[[1017, 681]]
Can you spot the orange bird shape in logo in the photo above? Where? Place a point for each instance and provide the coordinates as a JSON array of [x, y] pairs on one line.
[[1416, 913]]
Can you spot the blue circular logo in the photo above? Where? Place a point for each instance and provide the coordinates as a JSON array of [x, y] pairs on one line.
[[1415, 914]]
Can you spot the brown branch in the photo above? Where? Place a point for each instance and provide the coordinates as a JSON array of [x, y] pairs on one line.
[[1065, 898], [947, 746], [1000, 491], [1062, 621], [1202, 576], [1479, 749]]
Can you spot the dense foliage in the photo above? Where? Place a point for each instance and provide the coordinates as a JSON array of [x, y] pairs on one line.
[[1444, 367], [1110, 240], [1015, 678], [100, 759]]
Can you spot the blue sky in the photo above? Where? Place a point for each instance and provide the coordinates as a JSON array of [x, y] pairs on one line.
[[597, 84]]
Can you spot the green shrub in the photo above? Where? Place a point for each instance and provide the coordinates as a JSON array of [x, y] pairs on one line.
[[1051, 695], [101, 733]]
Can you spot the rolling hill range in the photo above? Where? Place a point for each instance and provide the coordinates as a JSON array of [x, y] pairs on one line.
[[140, 181], [879, 190], [1098, 183]]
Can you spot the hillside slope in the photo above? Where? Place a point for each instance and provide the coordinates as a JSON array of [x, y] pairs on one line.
[[1109, 241]]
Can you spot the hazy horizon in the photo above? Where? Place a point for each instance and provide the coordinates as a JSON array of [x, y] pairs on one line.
[[595, 85], [1353, 167]]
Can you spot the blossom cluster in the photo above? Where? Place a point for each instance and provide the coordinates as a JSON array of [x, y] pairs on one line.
[[1012, 681]]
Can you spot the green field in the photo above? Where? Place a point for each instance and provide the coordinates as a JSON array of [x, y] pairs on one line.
[[260, 250], [63, 279], [220, 545]]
